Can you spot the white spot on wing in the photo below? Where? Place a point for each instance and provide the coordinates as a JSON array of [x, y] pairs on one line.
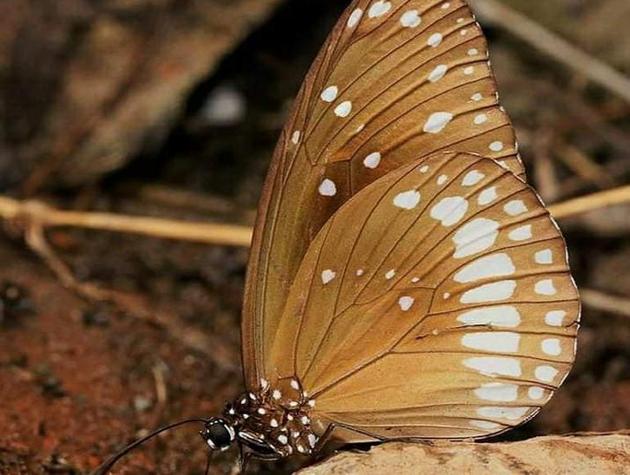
[[435, 40], [551, 346], [501, 316], [379, 8], [407, 200], [437, 122], [411, 19], [295, 138], [522, 233], [498, 342], [406, 303], [546, 373], [343, 109], [438, 73], [372, 161], [544, 257], [472, 178], [330, 94], [515, 208], [509, 413], [497, 392], [496, 265], [474, 237], [536, 393], [485, 425], [450, 211], [545, 287], [390, 274], [328, 188], [495, 366], [355, 18], [496, 146], [328, 276], [494, 292], [487, 196], [480, 119], [555, 318]]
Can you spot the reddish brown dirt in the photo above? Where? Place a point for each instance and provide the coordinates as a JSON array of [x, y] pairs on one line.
[[78, 381]]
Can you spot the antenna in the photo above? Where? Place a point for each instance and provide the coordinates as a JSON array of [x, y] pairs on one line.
[[109, 463]]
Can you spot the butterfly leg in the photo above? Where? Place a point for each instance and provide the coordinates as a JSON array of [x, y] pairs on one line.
[[334, 426], [325, 438], [244, 458]]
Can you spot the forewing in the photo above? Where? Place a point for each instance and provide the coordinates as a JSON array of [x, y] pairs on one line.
[[396, 81], [437, 302]]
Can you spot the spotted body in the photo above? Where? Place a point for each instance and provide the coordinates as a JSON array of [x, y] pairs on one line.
[[276, 420]]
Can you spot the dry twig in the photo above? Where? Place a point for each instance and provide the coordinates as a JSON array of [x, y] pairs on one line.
[[605, 302], [591, 202], [46, 216], [583, 166], [553, 45], [37, 216]]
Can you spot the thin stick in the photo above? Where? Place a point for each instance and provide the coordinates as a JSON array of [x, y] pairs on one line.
[[608, 303], [223, 234], [46, 216], [591, 202], [553, 45], [583, 166]]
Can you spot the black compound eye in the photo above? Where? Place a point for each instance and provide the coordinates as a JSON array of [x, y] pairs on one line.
[[218, 434]]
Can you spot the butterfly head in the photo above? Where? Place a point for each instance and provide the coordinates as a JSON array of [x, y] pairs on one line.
[[218, 434]]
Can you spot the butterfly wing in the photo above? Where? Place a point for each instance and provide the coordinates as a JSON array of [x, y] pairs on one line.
[[437, 302], [396, 80]]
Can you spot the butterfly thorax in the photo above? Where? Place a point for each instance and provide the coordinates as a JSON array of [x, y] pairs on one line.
[[274, 420]]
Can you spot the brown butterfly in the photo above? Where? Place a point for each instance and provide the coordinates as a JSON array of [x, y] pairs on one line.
[[404, 281]]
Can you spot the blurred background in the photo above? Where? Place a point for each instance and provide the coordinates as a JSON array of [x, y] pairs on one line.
[[171, 108]]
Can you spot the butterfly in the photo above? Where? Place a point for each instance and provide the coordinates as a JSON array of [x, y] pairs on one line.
[[405, 282]]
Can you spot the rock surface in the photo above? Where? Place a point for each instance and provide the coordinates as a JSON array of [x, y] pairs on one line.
[[583, 454]]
